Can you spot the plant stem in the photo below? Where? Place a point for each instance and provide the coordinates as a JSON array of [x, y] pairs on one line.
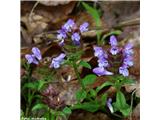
[[77, 74], [98, 38], [49, 114]]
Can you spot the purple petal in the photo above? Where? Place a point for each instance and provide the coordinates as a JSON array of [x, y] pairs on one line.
[[128, 49], [102, 62], [76, 38], [61, 43], [101, 71], [57, 61], [34, 60], [98, 52], [69, 25], [54, 64], [128, 61], [62, 34], [127, 52], [124, 71], [109, 105], [60, 57], [84, 27], [114, 50], [128, 46], [113, 41], [29, 58], [37, 53]]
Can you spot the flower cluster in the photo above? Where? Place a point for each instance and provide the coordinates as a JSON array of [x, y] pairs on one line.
[[70, 29], [102, 62], [35, 57], [128, 59], [120, 58]]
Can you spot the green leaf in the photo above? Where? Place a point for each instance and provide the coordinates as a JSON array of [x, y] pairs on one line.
[[107, 83], [121, 104], [81, 94], [39, 106], [103, 99], [126, 111], [41, 83], [88, 106], [30, 85], [120, 100], [85, 64], [127, 81], [61, 115], [89, 79], [93, 93], [67, 110], [93, 12]]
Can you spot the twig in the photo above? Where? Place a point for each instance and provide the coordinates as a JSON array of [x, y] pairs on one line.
[[129, 22]]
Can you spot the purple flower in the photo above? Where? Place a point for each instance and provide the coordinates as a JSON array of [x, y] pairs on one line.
[[37, 53], [84, 27], [114, 50], [128, 49], [128, 46], [113, 41], [69, 25], [123, 70], [61, 43], [99, 52], [76, 38], [109, 105], [62, 34], [128, 61], [33, 58], [101, 71], [57, 61], [102, 62]]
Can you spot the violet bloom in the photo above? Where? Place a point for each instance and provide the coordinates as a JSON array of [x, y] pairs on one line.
[[113, 41], [84, 27], [62, 34], [57, 61], [101, 71], [123, 70], [114, 50], [33, 58], [128, 61], [37, 53], [109, 105], [102, 62], [128, 49], [69, 25], [99, 52], [61, 43], [76, 38]]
